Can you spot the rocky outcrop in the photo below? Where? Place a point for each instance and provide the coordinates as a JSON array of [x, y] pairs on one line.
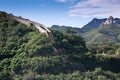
[[95, 23], [111, 20]]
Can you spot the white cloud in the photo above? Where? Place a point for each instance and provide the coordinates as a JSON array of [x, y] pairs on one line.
[[96, 8], [61, 1]]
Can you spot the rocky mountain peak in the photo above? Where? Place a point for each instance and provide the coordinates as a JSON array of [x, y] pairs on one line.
[[110, 20]]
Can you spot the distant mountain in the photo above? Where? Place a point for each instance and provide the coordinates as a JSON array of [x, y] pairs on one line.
[[95, 23], [55, 26], [66, 28], [105, 30]]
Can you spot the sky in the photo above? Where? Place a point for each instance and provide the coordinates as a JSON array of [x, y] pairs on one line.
[[75, 13]]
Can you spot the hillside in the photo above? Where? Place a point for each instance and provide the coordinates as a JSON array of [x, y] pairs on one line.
[[14, 35], [98, 31]]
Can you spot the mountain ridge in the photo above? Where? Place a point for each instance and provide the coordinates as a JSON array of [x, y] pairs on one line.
[[42, 28], [106, 30], [94, 23]]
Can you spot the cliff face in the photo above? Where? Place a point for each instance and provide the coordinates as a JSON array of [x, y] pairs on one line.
[[28, 22]]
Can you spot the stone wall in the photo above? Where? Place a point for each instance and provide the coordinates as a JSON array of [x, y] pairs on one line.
[[40, 27]]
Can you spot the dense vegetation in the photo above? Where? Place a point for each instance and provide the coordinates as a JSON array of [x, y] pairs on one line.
[[27, 54]]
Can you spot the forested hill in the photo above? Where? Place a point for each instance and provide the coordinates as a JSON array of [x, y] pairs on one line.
[[28, 54], [20, 43]]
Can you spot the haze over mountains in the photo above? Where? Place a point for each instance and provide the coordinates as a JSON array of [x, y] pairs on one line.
[[105, 30]]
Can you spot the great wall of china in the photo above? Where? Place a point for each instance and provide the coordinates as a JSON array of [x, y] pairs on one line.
[[28, 22], [40, 27]]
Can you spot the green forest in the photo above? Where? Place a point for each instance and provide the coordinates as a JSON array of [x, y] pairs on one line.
[[27, 54]]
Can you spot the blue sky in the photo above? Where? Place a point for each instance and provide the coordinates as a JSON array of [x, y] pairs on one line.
[[74, 13]]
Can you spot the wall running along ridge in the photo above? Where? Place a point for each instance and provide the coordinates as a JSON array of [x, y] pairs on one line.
[[40, 27]]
